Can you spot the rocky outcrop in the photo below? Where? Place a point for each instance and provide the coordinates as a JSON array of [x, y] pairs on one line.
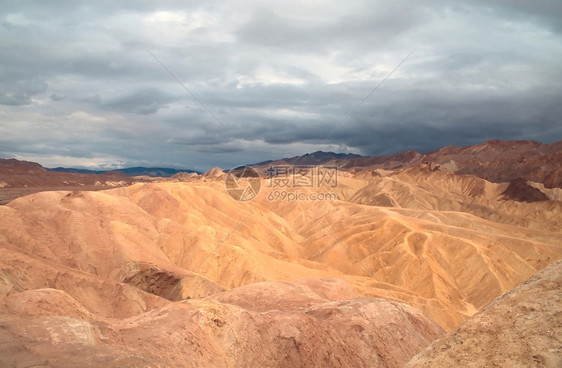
[[522, 328], [301, 324]]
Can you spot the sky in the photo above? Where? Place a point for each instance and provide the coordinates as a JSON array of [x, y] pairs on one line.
[[199, 84]]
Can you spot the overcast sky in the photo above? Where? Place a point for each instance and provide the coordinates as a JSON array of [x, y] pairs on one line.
[[79, 86]]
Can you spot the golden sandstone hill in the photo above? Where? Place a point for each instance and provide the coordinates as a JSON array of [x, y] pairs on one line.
[[522, 328], [177, 273]]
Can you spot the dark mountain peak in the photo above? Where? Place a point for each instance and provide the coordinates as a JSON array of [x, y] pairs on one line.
[[313, 158], [15, 163], [332, 155]]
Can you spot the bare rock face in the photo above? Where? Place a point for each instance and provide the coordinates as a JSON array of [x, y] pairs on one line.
[[215, 172], [183, 176], [310, 323], [522, 328], [303, 324], [173, 286], [519, 190], [496, 161]]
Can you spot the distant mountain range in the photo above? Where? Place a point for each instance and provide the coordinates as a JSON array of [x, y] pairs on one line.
[[162, 172], [314, 158], [494, 160]]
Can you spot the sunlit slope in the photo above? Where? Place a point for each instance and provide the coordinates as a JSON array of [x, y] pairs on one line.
[[434, 190], [445, 261]]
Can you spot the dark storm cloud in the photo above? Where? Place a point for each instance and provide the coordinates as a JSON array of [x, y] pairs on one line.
[[79, 87], [268, 29], [545, 12], [146, 101]]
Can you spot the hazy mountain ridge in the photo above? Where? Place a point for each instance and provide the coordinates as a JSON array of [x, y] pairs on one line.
[[314, 158], [162, 172], [494, 160]]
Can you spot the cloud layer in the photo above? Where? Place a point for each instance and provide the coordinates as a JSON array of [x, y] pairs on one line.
[[79, 87]]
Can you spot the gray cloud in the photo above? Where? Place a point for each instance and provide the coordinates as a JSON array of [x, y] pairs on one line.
[[146, 101], [78, 87], [20, 92]]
